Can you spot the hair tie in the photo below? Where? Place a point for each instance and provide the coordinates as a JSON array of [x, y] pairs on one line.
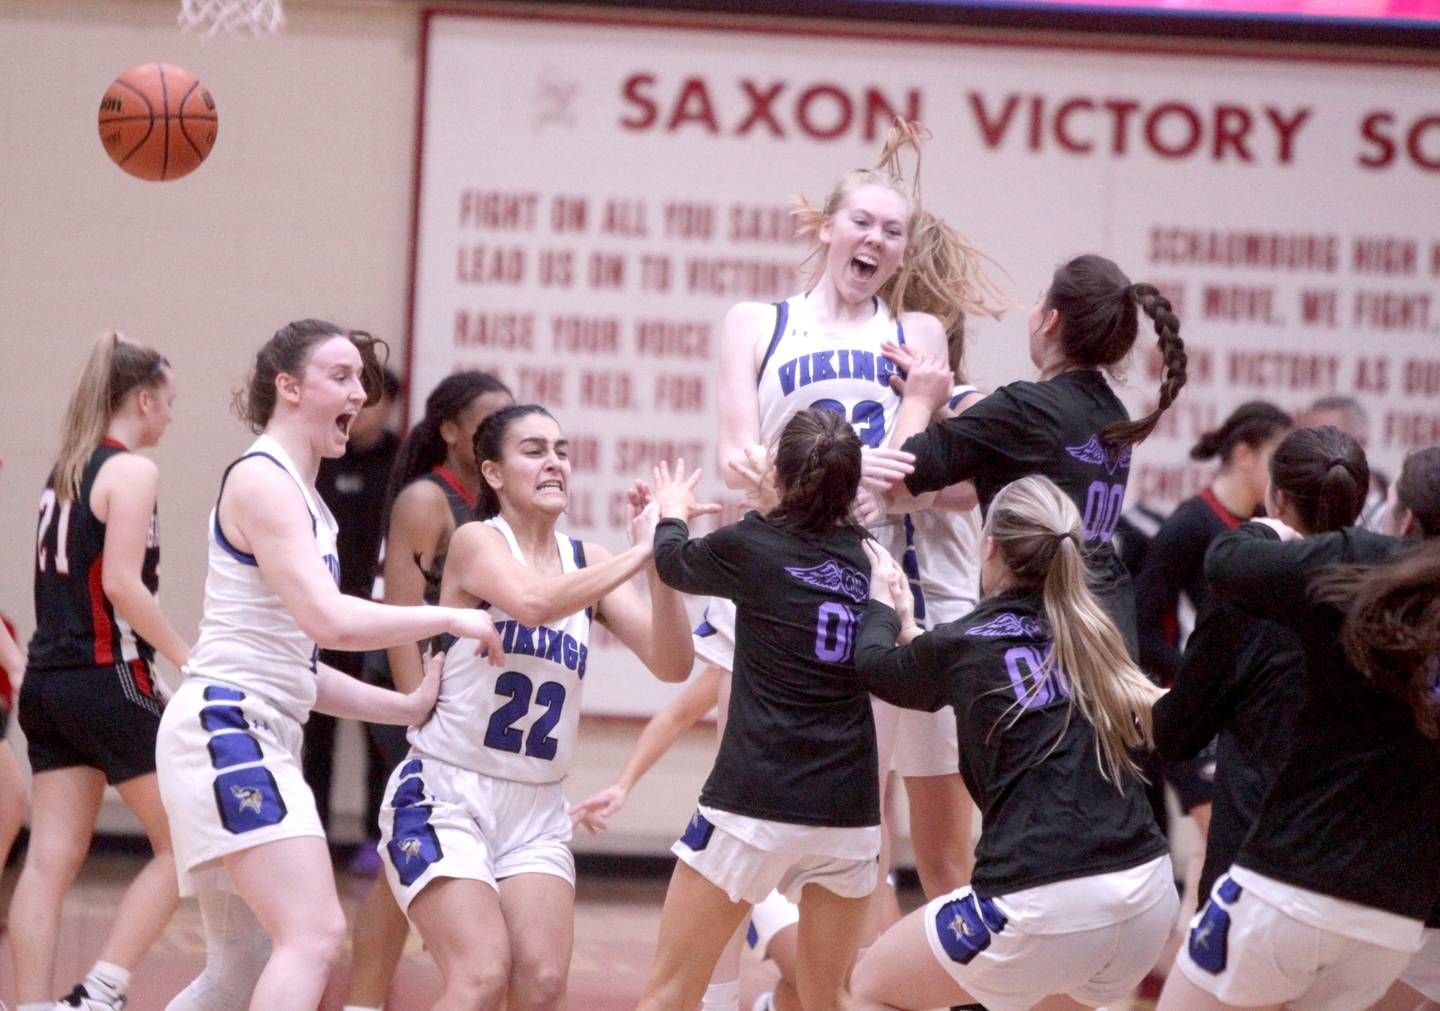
[[1337, 462]]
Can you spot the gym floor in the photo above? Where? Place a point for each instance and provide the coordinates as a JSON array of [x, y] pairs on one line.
[[616, 921]]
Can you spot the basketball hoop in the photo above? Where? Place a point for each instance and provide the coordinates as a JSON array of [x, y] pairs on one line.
[[209, 18]]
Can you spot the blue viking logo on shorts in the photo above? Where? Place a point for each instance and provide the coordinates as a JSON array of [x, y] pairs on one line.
[[1103, 454], [248, 799], [965, 926], [833, 577], [410, 848]]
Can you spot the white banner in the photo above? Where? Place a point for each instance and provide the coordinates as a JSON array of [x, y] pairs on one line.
[[594, 196]]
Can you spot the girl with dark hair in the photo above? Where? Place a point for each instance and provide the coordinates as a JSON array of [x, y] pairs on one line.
[[475, 826], [1069, 426], [793, 802], [1174, 563], [877, 256], [248, 839], [1326, 900], [432, 492], [1242, 678], [1414, 506], [1173, 568], [90, 706], [1072, 892]]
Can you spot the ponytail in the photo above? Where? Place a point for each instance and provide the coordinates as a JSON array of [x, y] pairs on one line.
[[1038, 532], [1251, 424], [941, 273], [1172, 353], [114, 368], [818, 463], [423, 448], [1323, 475]]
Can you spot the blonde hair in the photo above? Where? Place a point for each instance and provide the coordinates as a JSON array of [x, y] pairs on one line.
[[1038, 532], [941, 272], [116, 367]]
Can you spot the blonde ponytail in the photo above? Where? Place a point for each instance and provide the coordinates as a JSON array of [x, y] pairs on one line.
[[941, 274], [1040, 537], [114, 368]]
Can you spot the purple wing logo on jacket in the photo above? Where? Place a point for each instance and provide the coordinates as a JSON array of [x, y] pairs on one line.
[[1009, 625], [835, 578], [1102, 454]]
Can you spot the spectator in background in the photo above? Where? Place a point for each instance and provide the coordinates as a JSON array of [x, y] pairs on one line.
[[353, 486], [1346, 414]]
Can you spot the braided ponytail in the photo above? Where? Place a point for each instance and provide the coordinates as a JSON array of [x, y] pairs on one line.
[[818, 463], [1172, 351]]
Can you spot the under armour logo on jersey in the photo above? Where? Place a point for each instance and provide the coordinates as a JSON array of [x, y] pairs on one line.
[[410, 848], [1102, 454], [249, 798], [835, 578], [1012, 626]]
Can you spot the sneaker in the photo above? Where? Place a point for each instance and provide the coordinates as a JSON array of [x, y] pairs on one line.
[[762, 1003], [80, 998]]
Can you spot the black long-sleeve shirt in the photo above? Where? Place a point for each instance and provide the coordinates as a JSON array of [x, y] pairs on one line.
[[799, 744], [1050, 428], [1354, 812], [1029, 758], [1175, 564], [1242, 679]]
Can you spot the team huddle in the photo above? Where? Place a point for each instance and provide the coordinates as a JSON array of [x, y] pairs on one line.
[[928, 584]]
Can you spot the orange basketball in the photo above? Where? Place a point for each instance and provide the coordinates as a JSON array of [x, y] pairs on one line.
[[157, 121]]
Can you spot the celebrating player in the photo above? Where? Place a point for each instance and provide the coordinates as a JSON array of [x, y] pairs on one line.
[[248, 839], [475, 825]]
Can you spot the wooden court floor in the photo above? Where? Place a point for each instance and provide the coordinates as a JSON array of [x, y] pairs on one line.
[[616, 922]]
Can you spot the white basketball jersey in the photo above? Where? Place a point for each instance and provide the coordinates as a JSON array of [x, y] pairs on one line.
[[248, 637], [947, 556], [518, 722], [809, 365]]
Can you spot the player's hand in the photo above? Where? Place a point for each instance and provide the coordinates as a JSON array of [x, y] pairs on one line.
[[927, 377], [637, 499], [881, 467], [881, 567], [422, 700], [593, 812], [676, 494], [757, 469], [869, 508], [470, 623]]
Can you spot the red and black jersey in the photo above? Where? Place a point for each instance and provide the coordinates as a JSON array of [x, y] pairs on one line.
[[75, 623]]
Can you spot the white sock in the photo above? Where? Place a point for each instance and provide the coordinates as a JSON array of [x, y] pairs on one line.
[[42, 1006], [360, 1007], [721, 997], [108, 980]]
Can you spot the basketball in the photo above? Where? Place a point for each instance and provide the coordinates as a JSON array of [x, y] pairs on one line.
[[157, 121]]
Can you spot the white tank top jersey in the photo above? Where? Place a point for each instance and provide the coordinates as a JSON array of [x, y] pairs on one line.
[[248, 637], [947, 555], [518, 722], [807, 365]]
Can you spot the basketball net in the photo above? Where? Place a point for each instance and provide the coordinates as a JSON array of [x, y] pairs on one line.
[[209, 18]]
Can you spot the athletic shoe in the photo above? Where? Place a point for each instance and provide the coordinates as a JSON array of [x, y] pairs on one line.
[[762, 1003], [80, 998]]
